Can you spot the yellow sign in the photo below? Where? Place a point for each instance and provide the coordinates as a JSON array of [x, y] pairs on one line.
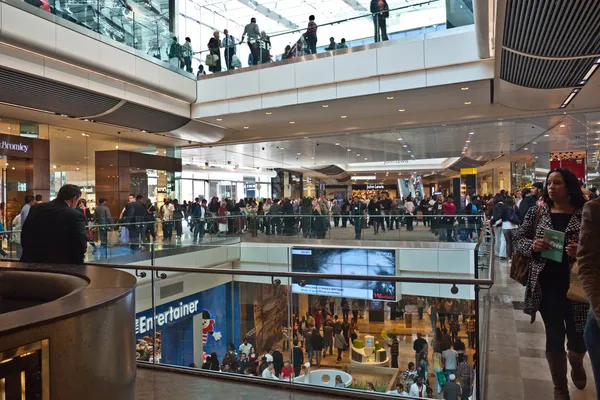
[[468, 171]]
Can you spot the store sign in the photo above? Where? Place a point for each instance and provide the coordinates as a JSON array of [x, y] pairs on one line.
[[250, 186], [468, 171], [145, 324], [14, 146], [395, 162], [161, 189], [375, 186]]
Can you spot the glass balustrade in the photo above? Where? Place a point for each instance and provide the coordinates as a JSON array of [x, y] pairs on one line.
[[344, 319]]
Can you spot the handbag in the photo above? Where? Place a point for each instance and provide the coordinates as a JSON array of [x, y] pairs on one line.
[[211, 60], [576, 291], [519, 267]]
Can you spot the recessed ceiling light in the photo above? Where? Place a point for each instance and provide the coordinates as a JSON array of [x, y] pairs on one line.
[[536, 156], [325, 105], [349, 150], [82, 134], [292, 122], [117, 146], [13, 168], [282, 148], [357, 154], [86, 120], [525, 148], [246, 127], [402, 110], [337, 144], [405, 146], [68, 137], [399, 138], [533, 142], [343, 116], [467, 103], [471, 133], [546, 135], [562, 125], [54, 166], [390, 97], [408, 151], [468, 141], [268, 113], [464, 88], [219, 119]]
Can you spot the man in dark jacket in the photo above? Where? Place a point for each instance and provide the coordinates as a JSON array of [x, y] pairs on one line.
[[103, 218], [380, 11], [317, 345], [134, 216], [277, 360], [536, 191], [54, 232], [297, 358]]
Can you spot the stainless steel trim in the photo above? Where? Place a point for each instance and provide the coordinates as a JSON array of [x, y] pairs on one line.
[[253, 380], [300, 275]]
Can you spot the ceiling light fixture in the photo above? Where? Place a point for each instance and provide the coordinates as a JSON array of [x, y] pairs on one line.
[[219, 119], [325, 105], [533, 142], [292, 122], [54, 166], [282, 148], [246, 127], [13, 168], [117, 146], [268, 113], [390, 97], [337, 144], [570, 97], [357, 154], [471, 133], [402, 110], [562, 125], [590, 72], [68, 137], [525, 148], [343, 116], [546, 135], [366, 158], [349, 150], [468, 141], [464, 88], [299, 154], [467, 103]]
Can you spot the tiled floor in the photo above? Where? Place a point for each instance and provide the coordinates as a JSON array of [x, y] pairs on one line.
[[517, 367]]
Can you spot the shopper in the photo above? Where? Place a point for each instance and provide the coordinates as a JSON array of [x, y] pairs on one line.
[[253, 32], [340, 344], [380, 11], [449, 217], [450, 358], [245, 347], [54, 232], [395, 352], [357, 211], [199, 221], [510, 224], [214, 362], [418, 345], [548, 281], [465, 375], [187, 52], [328, 337], [214, 48], [342, 44], [133, 216], [317, 345], [374, 214], [440, 378], [336, 212], [166, 213], [87, 216], [38, 198], [297, 358], [230, 49], [287, 372], [420, 306], [103, 219], [29, 202], [452, 389], [588, 259], [332, 46], [418, 389], [409, 207], [529, 201], [175, 54], [277, 360]]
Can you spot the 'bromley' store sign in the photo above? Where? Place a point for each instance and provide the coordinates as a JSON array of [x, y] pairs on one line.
[[14, 146]]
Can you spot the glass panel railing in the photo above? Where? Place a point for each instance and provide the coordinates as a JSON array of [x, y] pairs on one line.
[[359, 326], [139, 26], [334, 37]]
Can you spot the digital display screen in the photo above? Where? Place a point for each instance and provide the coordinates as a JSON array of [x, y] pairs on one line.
[[373, 262]]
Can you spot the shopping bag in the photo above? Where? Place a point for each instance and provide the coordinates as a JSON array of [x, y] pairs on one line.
[[235, 62], [576, 291], [124, 235]]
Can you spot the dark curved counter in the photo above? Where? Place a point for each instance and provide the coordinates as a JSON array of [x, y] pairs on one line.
[[67, 331]]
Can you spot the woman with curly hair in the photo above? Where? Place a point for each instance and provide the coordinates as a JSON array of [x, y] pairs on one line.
[[548, 281]]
